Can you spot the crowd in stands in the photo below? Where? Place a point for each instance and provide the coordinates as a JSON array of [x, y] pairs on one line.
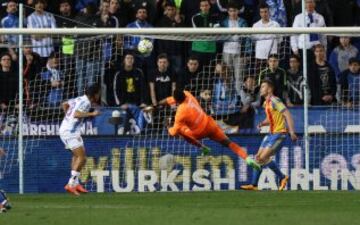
[[225, 74]]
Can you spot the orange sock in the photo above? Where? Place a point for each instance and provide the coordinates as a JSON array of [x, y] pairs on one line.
[[238, 150]]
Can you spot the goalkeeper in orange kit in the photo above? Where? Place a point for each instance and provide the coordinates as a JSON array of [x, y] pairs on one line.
[[193, 124]]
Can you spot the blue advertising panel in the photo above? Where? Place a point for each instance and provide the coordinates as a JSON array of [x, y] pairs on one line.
[[118, 165]]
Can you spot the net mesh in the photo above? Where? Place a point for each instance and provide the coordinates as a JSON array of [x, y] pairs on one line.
[[221, 85]]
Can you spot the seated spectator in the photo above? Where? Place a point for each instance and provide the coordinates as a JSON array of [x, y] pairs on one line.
[[162, 84], [144, 62], [43, 44], [294, 82], [173, 49], [340, 56], [130, 92], [204, 50], [8, 82], [225, 98], [161, 81], [322, 79], [350, 84], [53, 82], [265, 44], [250, 100], [276, 74], [235, 51], [191, 72]]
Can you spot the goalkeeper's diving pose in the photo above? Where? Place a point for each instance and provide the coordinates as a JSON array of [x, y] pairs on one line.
[[193, 124], [276, 115]]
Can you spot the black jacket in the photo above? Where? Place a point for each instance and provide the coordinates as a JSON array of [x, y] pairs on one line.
[[129, 87]]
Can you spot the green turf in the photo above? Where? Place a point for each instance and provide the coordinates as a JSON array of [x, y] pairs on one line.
[[221, 208]]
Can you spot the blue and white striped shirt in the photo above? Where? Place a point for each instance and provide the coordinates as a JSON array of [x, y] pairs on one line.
[[44, 45]]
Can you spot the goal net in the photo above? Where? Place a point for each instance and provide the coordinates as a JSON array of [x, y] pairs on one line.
[[142, 156]]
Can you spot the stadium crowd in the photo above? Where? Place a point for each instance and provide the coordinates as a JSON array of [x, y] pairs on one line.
[[225, 74]]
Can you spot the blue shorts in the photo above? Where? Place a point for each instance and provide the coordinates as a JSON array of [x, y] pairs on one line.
[[273, 141]]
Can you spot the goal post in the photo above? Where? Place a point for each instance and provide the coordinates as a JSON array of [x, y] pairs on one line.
[[181, 34]]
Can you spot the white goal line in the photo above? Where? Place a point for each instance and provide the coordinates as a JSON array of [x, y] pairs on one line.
[[182, 31]]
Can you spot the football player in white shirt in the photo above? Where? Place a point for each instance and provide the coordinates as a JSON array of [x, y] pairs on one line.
[[75, 111]]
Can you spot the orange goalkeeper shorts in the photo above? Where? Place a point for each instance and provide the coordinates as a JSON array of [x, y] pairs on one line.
[[212, 131]]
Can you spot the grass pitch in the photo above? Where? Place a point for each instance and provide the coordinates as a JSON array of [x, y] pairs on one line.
[[208, 208]]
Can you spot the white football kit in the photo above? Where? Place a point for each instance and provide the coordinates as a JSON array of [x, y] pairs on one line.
[[70, 129]]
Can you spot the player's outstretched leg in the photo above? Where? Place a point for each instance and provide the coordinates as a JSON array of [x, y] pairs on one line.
[[4, 202], [240, 152]]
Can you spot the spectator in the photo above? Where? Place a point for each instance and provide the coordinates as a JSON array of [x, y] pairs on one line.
[[117, 13], [350, 84], [294, 82], [173, 49], [340, 56], [226, 101], [67, 51], [88, 56], [250, 100], [204, 50], [235, 51], [265, 44], [32, 68], [129, 91], [277, 12], [86, 17], [313, 19], [43, 44], [161, 81], [81, 5], [144, 62], [104, 18], [189, 8], [11, 20], [53, 81], [323, 8], [191, 72], [66, 18], [276, 74], [322, 79], [8, 82]]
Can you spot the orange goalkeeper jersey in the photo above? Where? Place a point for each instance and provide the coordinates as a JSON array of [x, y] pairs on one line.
[[189, 114]]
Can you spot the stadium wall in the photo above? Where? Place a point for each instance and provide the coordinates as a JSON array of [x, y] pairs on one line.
[[47, 167]]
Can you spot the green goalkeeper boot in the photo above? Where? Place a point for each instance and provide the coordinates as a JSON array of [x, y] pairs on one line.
[[205, 150], [252, 163]]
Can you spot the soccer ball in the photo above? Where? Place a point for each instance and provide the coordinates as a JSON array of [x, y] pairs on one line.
[[145, 46], [167, 162]]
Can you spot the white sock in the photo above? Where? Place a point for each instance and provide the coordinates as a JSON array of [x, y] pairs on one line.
[[74, 179]]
